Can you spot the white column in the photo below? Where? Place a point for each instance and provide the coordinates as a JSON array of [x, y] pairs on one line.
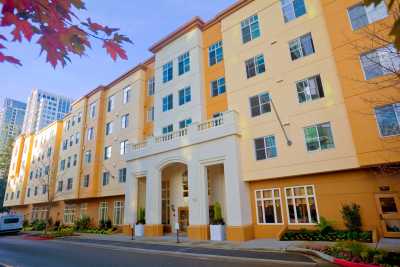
[[153, 197], [198, 194], [237, 191], [130, 208]]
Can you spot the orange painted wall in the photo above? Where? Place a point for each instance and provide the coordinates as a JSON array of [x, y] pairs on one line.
[[362, 96], [148, 101], [332, 190], [219, 103]]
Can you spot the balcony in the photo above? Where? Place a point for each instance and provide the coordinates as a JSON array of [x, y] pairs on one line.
[[197, 133]]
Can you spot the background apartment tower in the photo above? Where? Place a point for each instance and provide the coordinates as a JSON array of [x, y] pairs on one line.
[[12, 114], [44, 108]]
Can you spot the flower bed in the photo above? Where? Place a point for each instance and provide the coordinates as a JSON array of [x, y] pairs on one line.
[[335, 235]]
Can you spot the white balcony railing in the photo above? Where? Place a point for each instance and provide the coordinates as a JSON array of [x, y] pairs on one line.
[[226, 124]]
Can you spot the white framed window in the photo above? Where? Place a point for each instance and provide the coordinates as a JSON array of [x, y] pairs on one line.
[[185, 96], [77, 137], [124, 121], [168, 129], [103, 211], [86, 180], [260, 104], [168, 102], [292, 9], [361, 15], [388, 119], [380, 62], [310, 89], [109, 128], [301, 204], [151, 86], [250, 28], [122, 145], [122, 175], [255, 66], [110, 103], [88, 156], [118, 212], [150, 114], [319, 137], [269, 206], [69, 183], [218, 87], [265, 147], [60, 186], [92, 110], [83, 210], [90, 134], [106, 178], [215, 53], [107, 152], [168, 70], [126, 94], [69, 214], [183, 63], [185, 123], [301, 46]]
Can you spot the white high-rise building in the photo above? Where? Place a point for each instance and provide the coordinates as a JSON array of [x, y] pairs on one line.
[[43, 108]]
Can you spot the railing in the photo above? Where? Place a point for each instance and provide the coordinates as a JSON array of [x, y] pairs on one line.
[[171, 136], [211, 123]]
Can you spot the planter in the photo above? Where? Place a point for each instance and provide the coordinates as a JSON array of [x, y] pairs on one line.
[[217, 232], [139, 230]]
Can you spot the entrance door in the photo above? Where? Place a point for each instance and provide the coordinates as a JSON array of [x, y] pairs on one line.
[[183, 218], [389, 210]]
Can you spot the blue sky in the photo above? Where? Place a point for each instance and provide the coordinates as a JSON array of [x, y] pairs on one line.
[[145, 22]]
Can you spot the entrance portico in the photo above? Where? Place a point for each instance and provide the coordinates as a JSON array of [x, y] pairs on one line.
[[180, 173]]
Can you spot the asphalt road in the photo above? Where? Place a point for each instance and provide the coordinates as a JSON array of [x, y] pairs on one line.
[[16, 251]]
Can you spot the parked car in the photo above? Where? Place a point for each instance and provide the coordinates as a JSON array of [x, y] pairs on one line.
[[11, 223]]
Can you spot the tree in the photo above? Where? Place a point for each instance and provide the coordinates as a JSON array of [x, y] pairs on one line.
[[394, 6], [56, 27], [5, 159], [3, 185]]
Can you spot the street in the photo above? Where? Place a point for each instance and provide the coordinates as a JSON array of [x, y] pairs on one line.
[[17, 251]]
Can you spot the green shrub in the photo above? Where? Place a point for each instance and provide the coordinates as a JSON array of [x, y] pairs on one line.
[[38, 225], [25, 224], [141, 218], [217, 215], [108, 224], [333, 235], [324, 226], [351, 217], [82, 223]]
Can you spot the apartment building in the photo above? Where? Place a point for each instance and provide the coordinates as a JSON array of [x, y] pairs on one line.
[[44, 108], [12, 114], [260, 109]]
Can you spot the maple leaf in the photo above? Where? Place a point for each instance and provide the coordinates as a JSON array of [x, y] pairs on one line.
[[10, 59], [114, 50], [2, 37], [24, 27], [93, 26]]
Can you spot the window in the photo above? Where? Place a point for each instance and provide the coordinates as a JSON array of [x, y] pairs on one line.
[[60, 186], [109, 128], [69, 214], [69, 183], [126, 94], [292, 9], [167, 72], [88, 156], [122, 175], [49, 152], [250, 29], [184, 63], [110, 103], [150, 114], [215, 53], [107, 152], [65, 145], [106, 178], [388, 118], [124, 121], [301, 47], [92, 110], [269, 206], [122, 146], [46, 170], [90, 134], [86, 179], [31, 174], [218, 87], [301, 205], [68, 163], [260, 104], [62, 165], [77, 138], [103, 211], [309, 89], [151, 85], [168, 129], [185, 123], [184, 96], [28, 194], [254, 66], [75, 160], [265, 147], [118, 212], [18, 192], [83, 210], [167, 103], [319, 137], [361, 15], [6, 197], [381, 61], [71, 140], [79, 118]]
